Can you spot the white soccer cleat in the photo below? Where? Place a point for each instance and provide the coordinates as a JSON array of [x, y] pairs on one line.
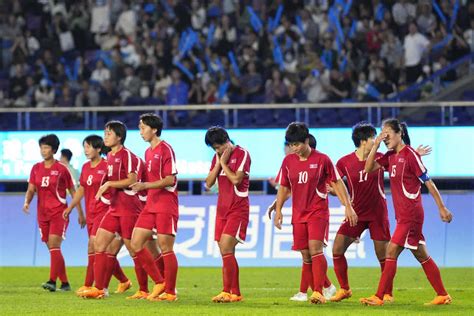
[[106, 292], [329, 292], [299, 297]]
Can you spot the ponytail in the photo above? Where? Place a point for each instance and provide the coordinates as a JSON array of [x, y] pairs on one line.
[[405, 136]]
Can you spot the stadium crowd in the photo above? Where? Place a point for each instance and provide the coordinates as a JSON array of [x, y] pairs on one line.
[[68, 53]]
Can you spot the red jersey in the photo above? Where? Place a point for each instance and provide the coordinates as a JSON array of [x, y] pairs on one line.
[[366, 189], [234, 200], [124, 201], [406, 171], [51, 185], [141, 177], [160, 163], [91, 179], [307, 180]]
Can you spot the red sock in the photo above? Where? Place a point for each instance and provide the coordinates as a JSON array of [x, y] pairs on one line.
[[146, 259], [319, 267], [171, 271], [306, 277], [389, 289], [434, 276], [160, 264], [388, 274], [327, 282], [62, 268], [118, 272], [141, 274], [235, 289], [109, 270], [90, 270], [228, 271], [100, 269], [340, 268], [54, 265]]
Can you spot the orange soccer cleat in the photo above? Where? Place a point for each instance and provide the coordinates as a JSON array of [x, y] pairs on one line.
[[80, 290], [374, 300], [340, 295], [441, 300], [317, 298], [387, 298], [158, 289], [139, 295], [236, 298], [166, 297], [123, 287], [223, 297], [93, 292]]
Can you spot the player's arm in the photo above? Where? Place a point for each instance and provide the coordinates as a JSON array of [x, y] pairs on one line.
[[118, 184], [444, 213], [272, 207], [167, 181], [341, 192], [75, 201], [234, 177], [370, 163], [214, 173], [30, 193], [424, 150], [283, 194], [80, 213]]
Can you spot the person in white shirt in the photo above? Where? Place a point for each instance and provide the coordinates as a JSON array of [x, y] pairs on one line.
[[101, 73], [403, 12], [414, 45]]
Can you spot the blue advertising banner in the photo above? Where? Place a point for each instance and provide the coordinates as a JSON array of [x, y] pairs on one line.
[[449, 244], [453, 149]]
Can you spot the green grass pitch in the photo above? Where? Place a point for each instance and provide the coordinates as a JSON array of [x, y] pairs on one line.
[[266, 292]]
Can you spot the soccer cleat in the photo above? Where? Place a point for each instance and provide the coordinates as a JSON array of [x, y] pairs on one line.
[[81, 290], [236, 298], [317, 298], [139, 295], [158, 289], [223, 297], [50, 286], [441, 300], [340, 295], [166, 297], [387, 298], [65, 287], [299, 297], [329, 292], [93, 292], [374, 300], [123, 287]]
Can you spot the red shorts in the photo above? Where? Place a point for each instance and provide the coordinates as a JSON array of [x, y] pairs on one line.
[[165, 224], [304, 232], [123, 225], [56, 225], [379, 230], [93, 223], [233, 226], [408, 235]]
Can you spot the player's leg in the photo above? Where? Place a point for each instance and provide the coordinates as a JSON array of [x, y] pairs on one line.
[[341, 243], [433, 275], [380, 247], [57, 233], [159, 256], [102, 240], [306, 280], [223, 297], [227, 245], [89, 279], [49, 285], [317, 232], [166, 244], [113, 267]]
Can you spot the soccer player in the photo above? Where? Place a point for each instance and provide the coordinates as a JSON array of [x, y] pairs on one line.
[[66, 156], [407, 172], [306, 280], [303, 177], [123, 170], [93, 175], [161, 210], [231, 168], [50, 179]]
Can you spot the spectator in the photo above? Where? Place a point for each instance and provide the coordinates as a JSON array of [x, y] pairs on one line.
[[415, 45], [276, 90], [403, 12], [386, 88], [426, 20], [108, 95], [251, 84], [127, 22], [18, 86], [44, 94], [87, 97], [339, 87], [100, 73], [130, 85], [469, 36], [163, 81], [198, 15], [178, 90], [316, 84], [65, 99], [225, 35]]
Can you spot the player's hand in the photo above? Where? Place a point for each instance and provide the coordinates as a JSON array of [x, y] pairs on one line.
[[380, 138], [424, 150], [330, 189], [66, 213], [278, 220], [104, 187], [271, 208], [225, 156], [26, 208], [446, 215], [81, 220], [351, 216], [138, 186]]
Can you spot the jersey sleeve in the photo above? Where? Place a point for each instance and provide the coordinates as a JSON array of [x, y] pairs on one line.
[[131, 163], [82, 178], [243, 162], [332, 175], [383, 160], [31, 180], [213, 163], [283, 175], [416, 165], [168, 163], [68, 179], [340, 168]]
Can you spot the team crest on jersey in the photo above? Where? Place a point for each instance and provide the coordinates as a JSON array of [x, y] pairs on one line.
[[54, 172], [156, 156], [233, 160], [401, 159], [117, 159], [101, 171], [313, 166]]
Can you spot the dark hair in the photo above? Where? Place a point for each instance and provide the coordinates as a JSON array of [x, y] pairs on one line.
[[50, 140], [312, 141], [362, 131], [216, 135], [97, 143], [154, 121], [398, 127], [119, 128], [296, 132], [66, 153]]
